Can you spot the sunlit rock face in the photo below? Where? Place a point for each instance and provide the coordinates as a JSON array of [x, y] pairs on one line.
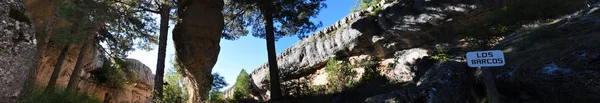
[[17, 49], [396, 38], [196, 37]]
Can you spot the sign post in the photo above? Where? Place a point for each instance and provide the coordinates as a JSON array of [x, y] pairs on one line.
[[490, 58]]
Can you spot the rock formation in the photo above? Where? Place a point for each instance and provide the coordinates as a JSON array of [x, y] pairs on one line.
[[196, 37], [391, 38], [138, 92], [553, 61], [17, 49]]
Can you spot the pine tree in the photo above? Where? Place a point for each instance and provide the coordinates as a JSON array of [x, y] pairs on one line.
[[99, 21], [241, 88], [292, 15]]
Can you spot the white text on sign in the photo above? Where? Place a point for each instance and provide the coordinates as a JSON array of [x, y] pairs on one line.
[[485, 58]]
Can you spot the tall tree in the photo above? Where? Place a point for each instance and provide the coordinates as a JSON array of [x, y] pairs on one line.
[[74, 79], [162, 8], [57, 68], [293, 18], [241, 88], [96, 21]]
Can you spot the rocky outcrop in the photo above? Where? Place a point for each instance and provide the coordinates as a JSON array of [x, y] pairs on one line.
[[196, 37], [386, 31], [138, 92], [553, 62], [447, 82], [17, 49]]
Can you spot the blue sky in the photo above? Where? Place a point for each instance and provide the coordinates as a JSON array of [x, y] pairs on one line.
[[247, 52]]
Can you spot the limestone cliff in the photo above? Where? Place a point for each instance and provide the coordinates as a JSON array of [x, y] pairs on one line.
[[393, 52], [139, 91], [43, 15], [17, 49], [394, 39]]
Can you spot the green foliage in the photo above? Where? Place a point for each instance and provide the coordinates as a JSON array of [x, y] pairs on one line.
[[340, 75], [114, 74], [292, 16], [375, 12], [36, 95], [370, 73], [364, 4], [216, 97], [80, 18], [242, 87], [440, 53], [218, 82], [122, 28], [500, 22], [174, 92]]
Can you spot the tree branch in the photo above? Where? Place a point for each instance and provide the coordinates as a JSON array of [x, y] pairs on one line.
[[137, 6]]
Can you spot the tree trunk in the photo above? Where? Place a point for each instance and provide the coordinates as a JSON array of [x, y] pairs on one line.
[[74, 79], [273, 69], [162, 46], [57, 68]]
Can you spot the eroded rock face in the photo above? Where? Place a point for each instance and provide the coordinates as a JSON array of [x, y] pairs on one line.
[[392, 36], [196, 39], [138, 92], [17, 49]]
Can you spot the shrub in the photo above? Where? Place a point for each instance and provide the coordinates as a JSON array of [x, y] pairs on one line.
[[173, 92], [36, 95], [340, 75], [440, 53], [114, 74], [370, 70], [216, 97]]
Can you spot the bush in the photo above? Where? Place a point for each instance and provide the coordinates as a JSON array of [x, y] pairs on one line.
[[440, 54], [36, 95], [216, 97], [340, 75], [370, 70], [114, 74], [173, 92]]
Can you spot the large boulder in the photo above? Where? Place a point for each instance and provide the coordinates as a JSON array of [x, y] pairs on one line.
[[196, 37], [17, 49]]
